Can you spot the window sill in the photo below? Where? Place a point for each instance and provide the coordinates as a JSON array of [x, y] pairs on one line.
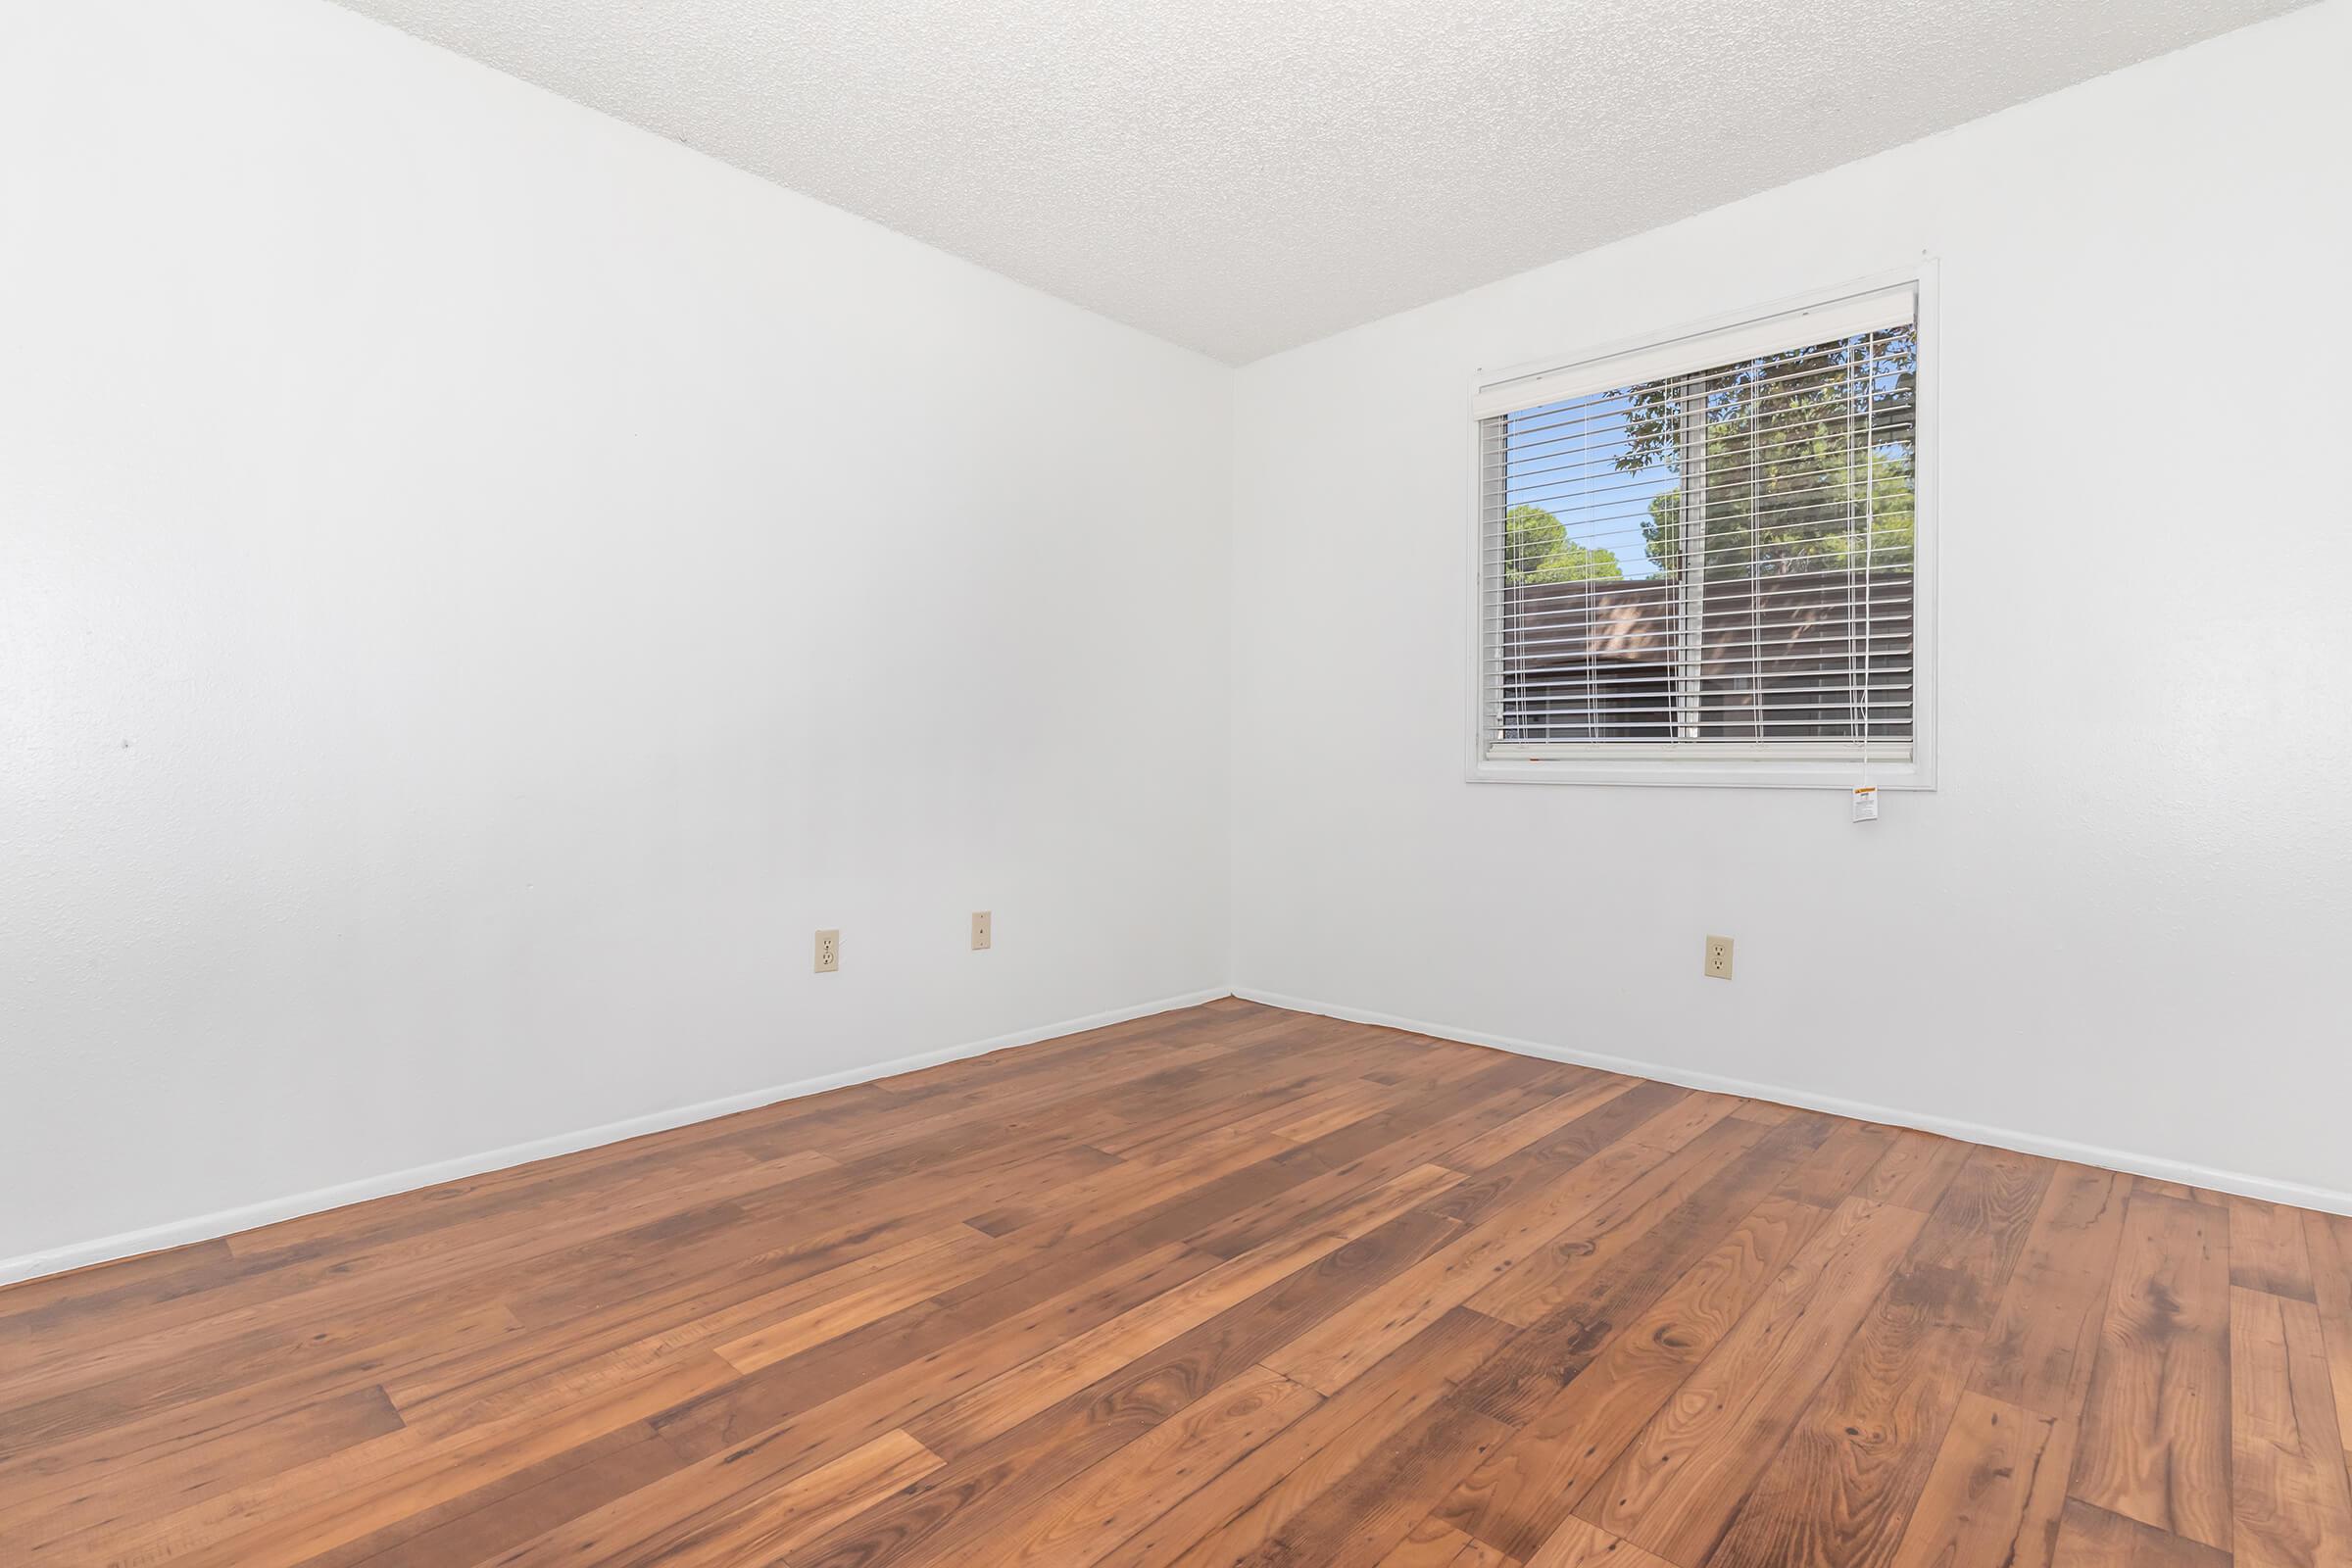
[[1705, 772]]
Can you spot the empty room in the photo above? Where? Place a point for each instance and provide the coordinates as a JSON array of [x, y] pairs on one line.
[[843, 784]]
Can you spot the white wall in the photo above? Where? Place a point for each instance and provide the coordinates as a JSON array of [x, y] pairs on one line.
[[480, 584], [2123, 919]]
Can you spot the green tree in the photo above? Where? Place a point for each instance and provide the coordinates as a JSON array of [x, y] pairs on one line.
[[1800, 447], [1537, 549]]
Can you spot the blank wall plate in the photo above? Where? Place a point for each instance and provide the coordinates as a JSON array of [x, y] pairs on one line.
[[983, 930], [1719, 959], [828, 952]]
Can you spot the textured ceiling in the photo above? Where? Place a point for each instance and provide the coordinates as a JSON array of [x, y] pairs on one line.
[[1243, 175]]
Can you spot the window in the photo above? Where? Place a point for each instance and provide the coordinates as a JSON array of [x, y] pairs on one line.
[[1700, 561]]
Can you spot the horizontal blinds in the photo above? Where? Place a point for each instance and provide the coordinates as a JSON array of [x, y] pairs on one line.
[[1716, 555]]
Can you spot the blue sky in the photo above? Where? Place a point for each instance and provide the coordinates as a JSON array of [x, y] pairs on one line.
[[1562, 457]]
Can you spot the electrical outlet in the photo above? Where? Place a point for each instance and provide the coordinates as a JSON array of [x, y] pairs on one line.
[[983, 932], [828, 952], [1719, 958]]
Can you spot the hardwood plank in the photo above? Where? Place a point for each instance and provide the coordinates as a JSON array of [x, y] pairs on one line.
[[1622, 1270], [1329, 1170], [934, 1271], [2092, 1537], [957, 1424], [1524, 1493], [2154, 1444], [91, 1498], [1578, 1544], [1995, 1494], [1368, 1328], [1913, 1171], [1531, 1126], [2327, 1239], [970, 1499], [78, 1292], [1341, 1105], [708, 1305], [480, 1522], [1843, 1484], [1834, 1170], [2293, 1509], [2045, 1337], [1681, 1480], [1241, 1511], [1362, 1516], [2176, 1190], [1558, 1272], [804, 1410], [1137, 1180], [1637, 1128], [604, 1257], [835, 1412], [1431, 1544], [1973, 1238], [2267, 1251], [1623, 1277], [312, 1508], [780, 1520], [1090, 1517], [57, 1441]]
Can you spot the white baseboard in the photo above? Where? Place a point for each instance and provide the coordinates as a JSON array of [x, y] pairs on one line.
[[2137, 1164], [227, 1221]]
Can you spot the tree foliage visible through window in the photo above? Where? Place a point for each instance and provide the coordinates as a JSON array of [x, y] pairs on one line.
[[1538, 549], [1797, 447]]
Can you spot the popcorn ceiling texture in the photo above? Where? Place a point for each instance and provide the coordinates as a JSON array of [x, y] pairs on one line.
[[1245, 175]]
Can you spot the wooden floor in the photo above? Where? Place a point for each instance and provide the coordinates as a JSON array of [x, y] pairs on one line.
[[1224, 1286]]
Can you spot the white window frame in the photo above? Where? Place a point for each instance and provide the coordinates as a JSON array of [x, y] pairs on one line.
[[1793, 764]]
